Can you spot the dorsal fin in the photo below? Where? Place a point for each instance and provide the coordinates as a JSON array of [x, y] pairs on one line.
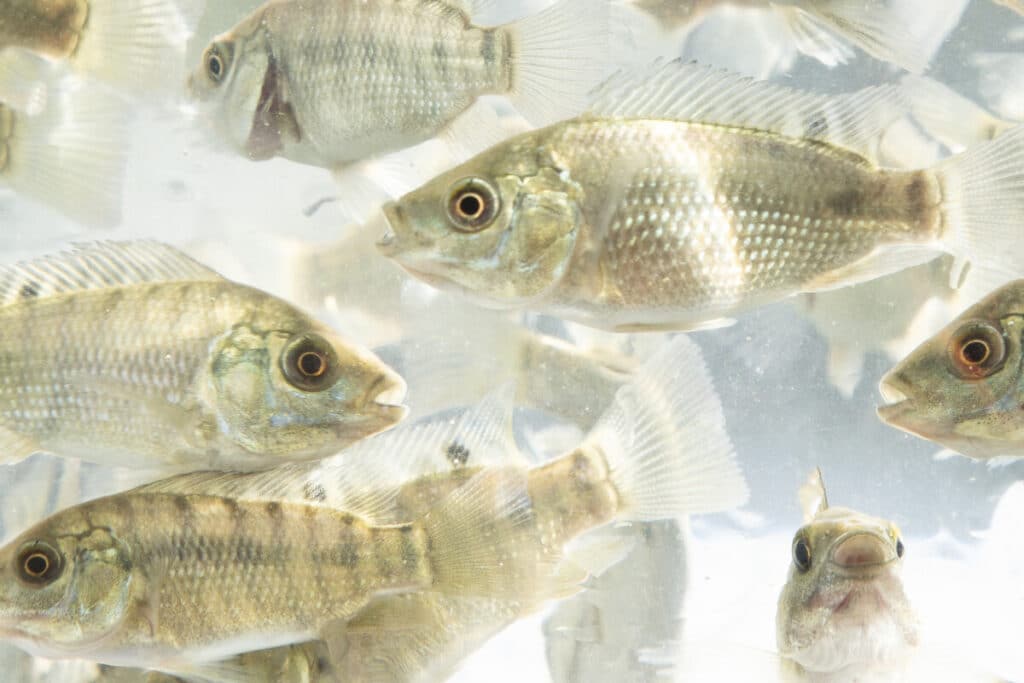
[[98, 265], [813, 499], [365, 478], [686, 91]]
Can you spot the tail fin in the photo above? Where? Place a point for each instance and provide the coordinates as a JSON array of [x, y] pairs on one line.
[[134, 43], [560, 54], [71, 154], [906, 33], [984, 204], [665, 441]]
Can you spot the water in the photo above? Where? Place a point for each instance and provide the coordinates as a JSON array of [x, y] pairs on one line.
[[710, 584]]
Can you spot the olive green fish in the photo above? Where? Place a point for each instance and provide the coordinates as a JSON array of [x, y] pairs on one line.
[[964, 387], [205, 566], [692, 194], [133, 354], [843, 608]]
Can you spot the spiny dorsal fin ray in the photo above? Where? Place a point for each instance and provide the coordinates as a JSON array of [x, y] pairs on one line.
[[98, 265], [686, 91], [365, 478]]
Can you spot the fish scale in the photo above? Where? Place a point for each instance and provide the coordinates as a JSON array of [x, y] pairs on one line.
[[694, 220]]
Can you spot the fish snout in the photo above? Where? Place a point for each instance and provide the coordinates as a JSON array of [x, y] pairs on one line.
[[388, 243], [863, 549]]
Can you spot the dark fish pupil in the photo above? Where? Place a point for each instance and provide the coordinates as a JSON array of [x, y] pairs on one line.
[[215, 66], [311, 364], [899, 548], [470, 205], [36, 565], [975, 351]]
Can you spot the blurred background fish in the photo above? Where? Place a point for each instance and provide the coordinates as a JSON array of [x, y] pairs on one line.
[[122, 42]]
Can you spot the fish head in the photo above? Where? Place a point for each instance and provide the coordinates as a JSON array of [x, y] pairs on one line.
[[501, 228], [228, 83], [963, 387], [843, 603], [65, 585], [300, 391]]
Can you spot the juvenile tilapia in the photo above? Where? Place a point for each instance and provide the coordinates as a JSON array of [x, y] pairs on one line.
[[964, 387], [904, 32], [843, 608], [695, 194], [134, 354], [125, 42], [332, 82], [203, 566]]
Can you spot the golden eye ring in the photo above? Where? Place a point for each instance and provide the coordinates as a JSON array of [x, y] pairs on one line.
[[976, 349], [309, 363], [472, 204], [38, 564]]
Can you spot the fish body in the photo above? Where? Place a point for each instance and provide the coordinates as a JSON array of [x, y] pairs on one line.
[[964, 387], [333, 82], [906, 33], [203, 566], [133, 354], [638, 217], [843, 608], [118, 41]]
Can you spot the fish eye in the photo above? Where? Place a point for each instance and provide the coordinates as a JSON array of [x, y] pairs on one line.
[[308, 363], [899, 547], [976, 350], [472, 204], [801, 554], [38, 564], [216, 61]]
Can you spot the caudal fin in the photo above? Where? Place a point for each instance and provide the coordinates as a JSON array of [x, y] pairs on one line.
[[138, 45], [906, 33], [71, 154], [984, 205], [559, 56], [665, 441]]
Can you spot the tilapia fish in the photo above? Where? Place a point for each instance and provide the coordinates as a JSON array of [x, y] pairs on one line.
[[62, 143], [202, 566], [694, 194], [332, 82], [134, 354], [843, 608], [964, 387], [120, 41], [904, 32]]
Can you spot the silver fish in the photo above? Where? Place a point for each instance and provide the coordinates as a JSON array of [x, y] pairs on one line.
[[964, 387], [904, 32], [134, 354], [697, 194], [332, 82]]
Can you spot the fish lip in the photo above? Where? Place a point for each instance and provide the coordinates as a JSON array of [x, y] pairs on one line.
[[884, 546], [386, 393], [388, 243]]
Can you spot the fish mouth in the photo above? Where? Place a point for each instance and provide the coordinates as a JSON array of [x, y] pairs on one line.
[[386, 396], [388, 243], [863, 550], [898, 403]]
